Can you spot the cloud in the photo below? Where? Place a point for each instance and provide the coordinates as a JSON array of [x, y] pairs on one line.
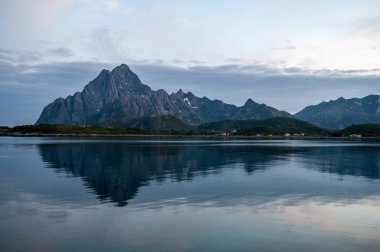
[[368, 26], [32, 9], [108, 44], [26, 89], [35, 57], [288, 46], [116, 31], [111, 4], [61, 52], [16, 56], [23, 20], [6, 54]]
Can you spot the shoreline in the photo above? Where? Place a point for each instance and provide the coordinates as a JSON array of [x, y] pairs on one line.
[[187, 136]]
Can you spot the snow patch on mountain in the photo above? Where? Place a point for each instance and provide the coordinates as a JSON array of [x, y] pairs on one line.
[[188, 102]]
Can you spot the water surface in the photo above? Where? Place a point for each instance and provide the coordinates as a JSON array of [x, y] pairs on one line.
[[72, 194]]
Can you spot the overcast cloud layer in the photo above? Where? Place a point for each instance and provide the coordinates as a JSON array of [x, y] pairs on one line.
[[287, 54]]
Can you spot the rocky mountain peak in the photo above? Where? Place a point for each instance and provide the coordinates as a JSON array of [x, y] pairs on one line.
[[180, 92], [249, 102], [190, 95], [123, 74], [102, 77], [122, 71], [104, 72], [122, 67], [341, 99]]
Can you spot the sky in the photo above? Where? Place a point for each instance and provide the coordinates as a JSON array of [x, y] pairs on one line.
[[285, 53]]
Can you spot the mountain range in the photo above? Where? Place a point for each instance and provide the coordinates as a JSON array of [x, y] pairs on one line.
[[118, 97], [341, 113]]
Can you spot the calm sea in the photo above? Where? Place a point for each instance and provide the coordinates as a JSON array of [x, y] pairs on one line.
[[72, 194]]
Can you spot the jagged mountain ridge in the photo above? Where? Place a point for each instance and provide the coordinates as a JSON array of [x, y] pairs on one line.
[[120, 95], [341, 113]]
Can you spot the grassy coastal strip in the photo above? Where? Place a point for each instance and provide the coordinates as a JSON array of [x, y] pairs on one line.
[[47, 129], [262, 132]]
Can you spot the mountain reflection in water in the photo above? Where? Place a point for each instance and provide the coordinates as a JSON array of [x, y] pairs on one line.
[[116, 170]]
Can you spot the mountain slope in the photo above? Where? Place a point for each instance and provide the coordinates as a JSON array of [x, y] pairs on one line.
[[342, 112], [366, 130], [120, 95], [275, 125], [161, 122]]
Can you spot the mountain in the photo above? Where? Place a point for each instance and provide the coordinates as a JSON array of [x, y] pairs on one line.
[[120, 95], [342, 112], [161, 122], [274, 126]]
